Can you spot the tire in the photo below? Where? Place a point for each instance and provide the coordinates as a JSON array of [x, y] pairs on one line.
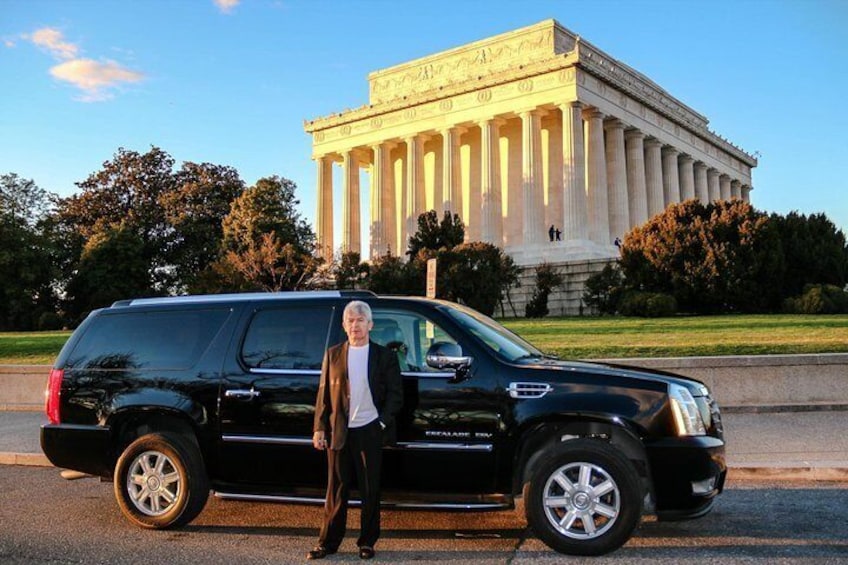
[[160, 481], [584, 498]]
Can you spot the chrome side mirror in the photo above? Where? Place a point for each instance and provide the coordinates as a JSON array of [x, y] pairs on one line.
[[445, 355]]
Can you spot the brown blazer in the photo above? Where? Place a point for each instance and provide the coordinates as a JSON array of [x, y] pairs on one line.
[[333, 403]]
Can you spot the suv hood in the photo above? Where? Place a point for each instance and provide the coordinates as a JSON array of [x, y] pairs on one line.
[[696, 387]]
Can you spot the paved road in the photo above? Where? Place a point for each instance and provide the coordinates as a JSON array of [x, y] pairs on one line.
[[46, 519]]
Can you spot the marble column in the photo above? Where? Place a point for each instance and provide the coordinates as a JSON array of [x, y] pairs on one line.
[[531, 171], [414, 183], [575, 211], [491, 216], [687, 177], [724, 186], [351, 239], [637, 196], [671, 176], [619, 215], [451, 173], [653, 176], [383, 218], [702, 191], [746, 192], [596, 177], [713, 185], [325, 207], [735, 189]]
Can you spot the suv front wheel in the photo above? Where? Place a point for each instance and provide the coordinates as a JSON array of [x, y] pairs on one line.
[[584, 498], [160, 481]]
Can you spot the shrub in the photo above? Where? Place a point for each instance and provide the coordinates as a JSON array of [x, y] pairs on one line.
[[603, 290], [546, 280], [647, 304], [49, 321], [819, 299]]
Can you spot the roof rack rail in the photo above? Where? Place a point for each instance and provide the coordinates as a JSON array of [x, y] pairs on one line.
[[358, 293]]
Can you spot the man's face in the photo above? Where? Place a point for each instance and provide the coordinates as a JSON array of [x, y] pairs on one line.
[[357, 326]]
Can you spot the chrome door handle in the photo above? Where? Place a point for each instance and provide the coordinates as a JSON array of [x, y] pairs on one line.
[[241, 393]]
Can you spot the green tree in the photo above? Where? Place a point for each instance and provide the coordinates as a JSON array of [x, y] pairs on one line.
[[113, 266], [815, 252], [124, 195], [547, 279], [390, 274], [435, 235], [26, 269], [477, 274], [350, 271]]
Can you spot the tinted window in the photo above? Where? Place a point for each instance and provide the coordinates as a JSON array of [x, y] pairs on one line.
[[147, 340], [410, 335], [292, 338]]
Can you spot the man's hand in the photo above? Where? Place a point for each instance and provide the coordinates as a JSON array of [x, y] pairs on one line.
[[319, 441]]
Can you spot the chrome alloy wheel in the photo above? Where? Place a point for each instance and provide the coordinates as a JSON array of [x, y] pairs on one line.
[[581, 500], [153, 483]]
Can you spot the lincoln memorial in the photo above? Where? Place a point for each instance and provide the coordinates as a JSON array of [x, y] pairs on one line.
[[528, 130]]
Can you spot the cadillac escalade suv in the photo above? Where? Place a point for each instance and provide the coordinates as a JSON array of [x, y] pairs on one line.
[[170, 398]]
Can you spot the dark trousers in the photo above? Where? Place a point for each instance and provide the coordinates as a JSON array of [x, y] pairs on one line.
[[363, 451]]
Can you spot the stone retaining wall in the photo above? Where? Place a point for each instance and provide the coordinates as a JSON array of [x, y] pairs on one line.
[[736, 381]]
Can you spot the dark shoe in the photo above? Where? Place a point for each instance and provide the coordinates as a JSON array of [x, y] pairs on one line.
[[366, 552], [320, 552]]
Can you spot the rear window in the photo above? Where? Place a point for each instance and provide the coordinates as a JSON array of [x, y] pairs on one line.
[[147, 340], [290, 338]]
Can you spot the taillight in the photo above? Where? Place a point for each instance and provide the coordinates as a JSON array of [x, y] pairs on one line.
[[52, 394]]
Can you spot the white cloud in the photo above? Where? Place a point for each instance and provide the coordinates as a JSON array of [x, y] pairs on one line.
[[54, 42], [226, 6], [95, 79]]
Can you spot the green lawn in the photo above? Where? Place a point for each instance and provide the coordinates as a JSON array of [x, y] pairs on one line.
[[588, 338]]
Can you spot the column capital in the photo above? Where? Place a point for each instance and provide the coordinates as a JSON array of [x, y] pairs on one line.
[[592, 113], [724, 176], [712, 172], [686, 158], [613, 123], [700, 165], [572, 104], [670, 150], [496, 120], [651, 142], [633, 133], [459, 130]]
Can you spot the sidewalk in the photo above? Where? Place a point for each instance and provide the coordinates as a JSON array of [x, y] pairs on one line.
[[761, 445]]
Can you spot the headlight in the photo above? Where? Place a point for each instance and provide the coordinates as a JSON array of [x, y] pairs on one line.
[[686, 415]]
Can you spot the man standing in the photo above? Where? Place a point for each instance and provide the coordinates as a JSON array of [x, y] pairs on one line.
[[359, 396]]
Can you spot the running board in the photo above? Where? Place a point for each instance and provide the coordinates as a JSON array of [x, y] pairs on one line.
[[355, 502]]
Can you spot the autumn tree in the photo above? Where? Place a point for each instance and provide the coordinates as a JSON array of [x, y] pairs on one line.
[[266, 244]]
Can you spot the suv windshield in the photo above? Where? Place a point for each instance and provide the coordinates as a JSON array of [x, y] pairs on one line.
[[500, 340]]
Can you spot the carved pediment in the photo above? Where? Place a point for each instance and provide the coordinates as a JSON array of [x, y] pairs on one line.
[[502, 53]]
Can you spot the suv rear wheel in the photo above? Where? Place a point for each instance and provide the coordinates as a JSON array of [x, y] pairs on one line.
[[584, 498], [160, 481]]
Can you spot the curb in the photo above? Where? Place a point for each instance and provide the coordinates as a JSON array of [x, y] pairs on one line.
[[28, 459]]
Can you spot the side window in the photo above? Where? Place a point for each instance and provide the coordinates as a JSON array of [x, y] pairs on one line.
[[290, 338], [148, 340], [410, 335]]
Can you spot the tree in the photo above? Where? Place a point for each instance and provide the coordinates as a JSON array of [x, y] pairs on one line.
[[547, 279], [815, 252], [26, 268], [349, 270], [113, 266], [266, 242], [477, 274], [195, 208], [718, 257], [125, 195], [390, 274], [436, 235]]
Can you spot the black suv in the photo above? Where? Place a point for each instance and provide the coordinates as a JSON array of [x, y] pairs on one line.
[[172, 397]]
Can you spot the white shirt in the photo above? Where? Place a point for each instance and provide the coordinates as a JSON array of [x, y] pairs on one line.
[[362, 409]]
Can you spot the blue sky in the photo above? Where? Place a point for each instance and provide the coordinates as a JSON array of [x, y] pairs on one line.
[[231, 81]]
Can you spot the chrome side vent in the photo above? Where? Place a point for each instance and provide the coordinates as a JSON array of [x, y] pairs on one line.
[[529, 390]]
